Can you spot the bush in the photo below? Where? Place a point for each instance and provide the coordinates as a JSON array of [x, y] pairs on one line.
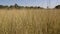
[[1, 6], [57, 7]]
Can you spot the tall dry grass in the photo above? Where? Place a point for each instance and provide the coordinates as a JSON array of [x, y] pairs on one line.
[[29, 21]]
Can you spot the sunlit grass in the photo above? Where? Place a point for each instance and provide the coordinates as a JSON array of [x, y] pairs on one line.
[[29, 21]]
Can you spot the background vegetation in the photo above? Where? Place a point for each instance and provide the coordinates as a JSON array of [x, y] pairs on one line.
[[29, 21], [18, 7]]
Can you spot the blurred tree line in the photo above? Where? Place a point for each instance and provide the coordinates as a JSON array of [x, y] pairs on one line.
[[57, 7], [18, 7]]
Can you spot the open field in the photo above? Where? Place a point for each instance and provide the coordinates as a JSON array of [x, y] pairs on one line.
[[30, 21]]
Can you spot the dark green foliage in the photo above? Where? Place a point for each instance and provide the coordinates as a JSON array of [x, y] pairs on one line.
[[57, 7], [11, 6], [1, 6], [18, 7]]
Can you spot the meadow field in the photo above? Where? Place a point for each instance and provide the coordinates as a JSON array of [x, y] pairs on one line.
[[29, 21]]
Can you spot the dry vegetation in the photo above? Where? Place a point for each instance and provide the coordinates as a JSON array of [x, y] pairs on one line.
[[29, 21]]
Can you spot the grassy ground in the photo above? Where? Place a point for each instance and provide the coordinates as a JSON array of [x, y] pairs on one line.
[[29, 21]]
